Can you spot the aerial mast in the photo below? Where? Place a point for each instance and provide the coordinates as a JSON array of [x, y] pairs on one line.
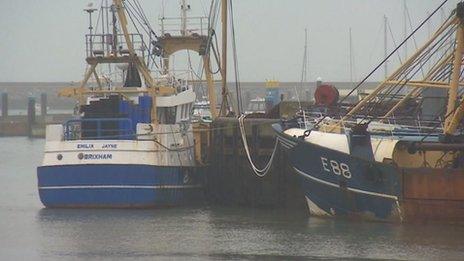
[[90, 11], [184, 8]]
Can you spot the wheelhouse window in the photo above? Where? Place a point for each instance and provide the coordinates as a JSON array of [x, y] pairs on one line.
[[167, 115]]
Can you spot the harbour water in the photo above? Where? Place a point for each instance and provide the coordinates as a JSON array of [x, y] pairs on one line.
[[30, 232]]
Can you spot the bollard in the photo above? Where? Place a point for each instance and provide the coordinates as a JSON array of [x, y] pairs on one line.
[[43, 105], [30, 115], [4, 105]]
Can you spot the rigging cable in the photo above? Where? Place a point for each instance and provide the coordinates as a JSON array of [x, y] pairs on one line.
[[385, 59], [238, 88]]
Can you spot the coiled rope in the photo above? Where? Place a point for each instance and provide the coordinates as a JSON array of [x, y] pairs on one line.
[[258, 172]]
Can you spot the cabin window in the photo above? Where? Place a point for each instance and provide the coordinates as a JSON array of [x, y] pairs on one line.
[[167, 115]]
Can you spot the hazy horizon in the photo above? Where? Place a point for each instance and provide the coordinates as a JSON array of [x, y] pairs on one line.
[[43, 41]]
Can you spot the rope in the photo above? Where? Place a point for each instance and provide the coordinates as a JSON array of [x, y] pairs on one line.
[[238, 88], [258, 172]]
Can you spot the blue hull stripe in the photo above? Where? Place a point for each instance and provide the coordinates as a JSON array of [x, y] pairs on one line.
[[350, 189]]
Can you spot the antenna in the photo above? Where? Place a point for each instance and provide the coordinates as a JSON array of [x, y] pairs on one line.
[[90, 10], [183, 14]]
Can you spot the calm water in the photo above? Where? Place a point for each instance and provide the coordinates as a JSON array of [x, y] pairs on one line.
[[29, 232]]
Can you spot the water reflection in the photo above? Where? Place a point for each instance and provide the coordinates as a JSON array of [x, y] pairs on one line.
[[232, 233]]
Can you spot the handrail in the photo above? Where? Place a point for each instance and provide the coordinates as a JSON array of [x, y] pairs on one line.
[[71, 133], [106, 43]]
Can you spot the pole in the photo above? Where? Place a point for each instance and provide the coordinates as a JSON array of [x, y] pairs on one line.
[[351, 57], [115, 31], [305, 61], [225, 105], [385, 42], [183, 16], [405, 29], [90, 11]]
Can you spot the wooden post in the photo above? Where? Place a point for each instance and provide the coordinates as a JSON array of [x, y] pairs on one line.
[[4, 105], [30, 115], [43, 105]]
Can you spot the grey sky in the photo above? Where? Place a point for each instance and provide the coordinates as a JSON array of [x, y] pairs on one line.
[[43, 40]]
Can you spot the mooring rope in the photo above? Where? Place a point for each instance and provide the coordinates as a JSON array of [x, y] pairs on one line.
[[258, 172]]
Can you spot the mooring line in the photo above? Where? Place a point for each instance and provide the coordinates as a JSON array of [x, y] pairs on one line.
[[258, 172]]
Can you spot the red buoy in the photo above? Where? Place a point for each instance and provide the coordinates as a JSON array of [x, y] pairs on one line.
[[326, 95]]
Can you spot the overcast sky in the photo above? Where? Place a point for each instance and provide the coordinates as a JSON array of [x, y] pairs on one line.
[[43, 40]]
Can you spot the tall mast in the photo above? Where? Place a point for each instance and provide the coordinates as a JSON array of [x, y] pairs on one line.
[[351, 56], [115, 30], [385, 42], [405, 29], [224, 8], [304, 71]]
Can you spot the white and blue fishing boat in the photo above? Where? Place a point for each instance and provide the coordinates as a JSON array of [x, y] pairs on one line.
[[132, 144], [364, 165]]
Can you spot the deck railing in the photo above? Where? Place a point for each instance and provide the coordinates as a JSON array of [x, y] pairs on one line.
[[99, 129], [193, 25], [108, 45]]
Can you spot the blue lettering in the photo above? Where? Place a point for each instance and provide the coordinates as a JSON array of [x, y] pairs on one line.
[[98, 156]]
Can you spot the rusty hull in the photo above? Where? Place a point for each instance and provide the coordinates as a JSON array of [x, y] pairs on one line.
[[432, 195]]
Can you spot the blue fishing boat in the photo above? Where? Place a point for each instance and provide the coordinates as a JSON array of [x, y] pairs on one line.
[[364, 165], [132, 143]]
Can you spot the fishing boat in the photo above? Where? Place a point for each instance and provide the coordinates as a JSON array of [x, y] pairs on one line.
[[370, 163], [132, 144]]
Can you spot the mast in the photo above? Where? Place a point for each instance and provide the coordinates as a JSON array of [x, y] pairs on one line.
[[225, 104], [115, 30], [385, 45], [405, 29], [351, 56], [304, 71], [305, 61], [184, 8]]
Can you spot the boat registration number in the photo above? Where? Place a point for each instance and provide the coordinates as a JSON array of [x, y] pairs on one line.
[[335, 167]]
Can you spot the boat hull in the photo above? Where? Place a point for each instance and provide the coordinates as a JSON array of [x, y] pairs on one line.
[[118, 186], [374, 190], [336, 184]]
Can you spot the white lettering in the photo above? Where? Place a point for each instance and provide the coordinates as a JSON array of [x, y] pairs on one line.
[[339, 169], [325, 165], [345, 170]]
